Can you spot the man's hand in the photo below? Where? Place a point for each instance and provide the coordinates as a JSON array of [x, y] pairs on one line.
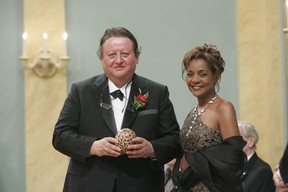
[[141, 148], [105, 147]]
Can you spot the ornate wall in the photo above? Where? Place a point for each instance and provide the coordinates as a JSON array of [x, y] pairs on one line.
[[260, 77], [44, 94], [260, 85]]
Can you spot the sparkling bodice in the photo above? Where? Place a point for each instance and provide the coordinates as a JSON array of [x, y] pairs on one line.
[[195, 135]]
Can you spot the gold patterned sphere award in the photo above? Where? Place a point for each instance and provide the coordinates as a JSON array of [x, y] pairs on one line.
[[124, 137]]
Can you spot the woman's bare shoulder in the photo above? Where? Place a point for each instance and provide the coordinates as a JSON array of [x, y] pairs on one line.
[[227, 119], [225, 105]]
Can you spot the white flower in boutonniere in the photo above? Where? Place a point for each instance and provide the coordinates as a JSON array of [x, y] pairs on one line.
[[140, 101]]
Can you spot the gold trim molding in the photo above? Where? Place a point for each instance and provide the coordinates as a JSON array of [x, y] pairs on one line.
[[45, 63]]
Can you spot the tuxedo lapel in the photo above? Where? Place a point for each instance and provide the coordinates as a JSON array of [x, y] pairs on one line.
[[107, 113], [131, 115], [248, 165], [103, 99]]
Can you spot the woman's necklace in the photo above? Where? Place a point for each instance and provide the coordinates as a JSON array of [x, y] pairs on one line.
[[196, 112]]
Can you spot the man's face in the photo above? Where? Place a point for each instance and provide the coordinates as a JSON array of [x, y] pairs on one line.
[[119, 60]]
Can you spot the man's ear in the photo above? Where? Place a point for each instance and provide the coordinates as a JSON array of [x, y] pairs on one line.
[[251, 141]]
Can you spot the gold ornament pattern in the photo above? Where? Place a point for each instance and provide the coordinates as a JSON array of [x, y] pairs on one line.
[[124, 137]]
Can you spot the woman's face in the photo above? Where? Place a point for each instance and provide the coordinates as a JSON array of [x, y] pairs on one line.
[[200, 79], [119, 60]]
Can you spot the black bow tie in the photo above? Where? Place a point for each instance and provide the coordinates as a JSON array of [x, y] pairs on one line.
[[117, 94]]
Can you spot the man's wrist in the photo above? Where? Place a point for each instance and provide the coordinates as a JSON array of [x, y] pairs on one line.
[[152, 154]]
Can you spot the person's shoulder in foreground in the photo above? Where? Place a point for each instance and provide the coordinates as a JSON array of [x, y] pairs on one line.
[[280, 176]]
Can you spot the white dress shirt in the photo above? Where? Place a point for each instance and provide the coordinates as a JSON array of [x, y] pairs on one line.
[[119, 106]]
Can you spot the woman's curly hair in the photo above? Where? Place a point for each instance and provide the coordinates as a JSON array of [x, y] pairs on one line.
[[208, 53]]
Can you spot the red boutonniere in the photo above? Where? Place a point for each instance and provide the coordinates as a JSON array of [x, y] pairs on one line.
[[140, 101]]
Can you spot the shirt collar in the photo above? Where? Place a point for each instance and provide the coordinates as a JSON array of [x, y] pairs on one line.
[[113, 87], [249, 156]]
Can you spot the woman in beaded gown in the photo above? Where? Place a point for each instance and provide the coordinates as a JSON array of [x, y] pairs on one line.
[[210, 139]]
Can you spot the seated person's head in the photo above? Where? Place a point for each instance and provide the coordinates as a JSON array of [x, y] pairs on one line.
[[250, 135]]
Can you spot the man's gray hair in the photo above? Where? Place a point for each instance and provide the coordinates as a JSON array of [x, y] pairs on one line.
[[248, 130]]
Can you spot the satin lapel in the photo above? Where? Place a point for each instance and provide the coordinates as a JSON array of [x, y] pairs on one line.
[[248, 165], [105, 106], [130, 115]]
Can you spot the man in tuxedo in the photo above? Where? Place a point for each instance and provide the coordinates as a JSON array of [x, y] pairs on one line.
[[97, 108], [280, 176], [257, 175]]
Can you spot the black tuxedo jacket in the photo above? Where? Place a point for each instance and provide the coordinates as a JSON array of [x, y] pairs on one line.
[[257, 176], [283, 165], [87, 116]]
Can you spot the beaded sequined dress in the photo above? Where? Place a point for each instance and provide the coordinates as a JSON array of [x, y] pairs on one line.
[[195, 135]]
